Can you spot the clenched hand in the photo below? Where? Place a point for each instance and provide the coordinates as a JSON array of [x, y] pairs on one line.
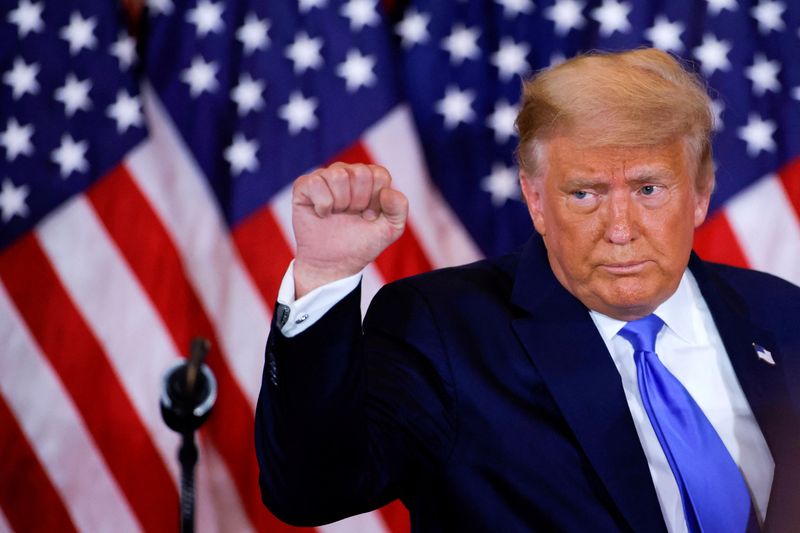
[[343, 216]]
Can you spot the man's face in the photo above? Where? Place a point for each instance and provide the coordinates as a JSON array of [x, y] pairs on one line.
[[618, 222]]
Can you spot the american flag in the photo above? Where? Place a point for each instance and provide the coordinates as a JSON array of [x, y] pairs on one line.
[[144, 199]]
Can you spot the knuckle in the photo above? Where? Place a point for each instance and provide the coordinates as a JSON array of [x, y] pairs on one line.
[[362, 178], [382, 176], [301, 181], [338, 176], [317, 182]]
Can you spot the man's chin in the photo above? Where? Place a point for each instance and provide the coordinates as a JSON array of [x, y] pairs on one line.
[[628, 299]]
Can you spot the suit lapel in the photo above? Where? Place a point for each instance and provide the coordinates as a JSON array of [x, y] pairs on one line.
[[765, 387], [567, 350]]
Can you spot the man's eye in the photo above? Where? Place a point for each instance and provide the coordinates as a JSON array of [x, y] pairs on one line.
[[580, 195], [647, 190]]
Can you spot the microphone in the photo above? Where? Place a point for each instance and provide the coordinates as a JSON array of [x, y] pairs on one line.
[[189, 390], [188, 393]]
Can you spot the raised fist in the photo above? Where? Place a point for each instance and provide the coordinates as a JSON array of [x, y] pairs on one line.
[[343, 216]]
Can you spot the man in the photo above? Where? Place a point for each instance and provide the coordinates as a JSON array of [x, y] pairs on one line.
[[602, 378]]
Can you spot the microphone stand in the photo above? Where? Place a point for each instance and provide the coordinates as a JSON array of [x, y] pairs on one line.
[[187, 395]]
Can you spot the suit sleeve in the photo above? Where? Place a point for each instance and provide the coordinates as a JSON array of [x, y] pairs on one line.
[[348, 418]]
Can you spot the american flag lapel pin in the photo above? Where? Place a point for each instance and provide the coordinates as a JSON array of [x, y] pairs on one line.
[[763, 354]]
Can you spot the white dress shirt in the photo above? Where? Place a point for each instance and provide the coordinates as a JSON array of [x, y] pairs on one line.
[[689, 346]]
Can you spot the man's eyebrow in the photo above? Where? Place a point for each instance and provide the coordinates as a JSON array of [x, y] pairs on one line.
[[649, 172], [638, 174], [585, 182]]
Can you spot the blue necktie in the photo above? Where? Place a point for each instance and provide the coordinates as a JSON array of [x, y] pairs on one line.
[[714, 495]]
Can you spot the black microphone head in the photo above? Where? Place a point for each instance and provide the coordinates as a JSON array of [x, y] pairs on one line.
[[184, 410]]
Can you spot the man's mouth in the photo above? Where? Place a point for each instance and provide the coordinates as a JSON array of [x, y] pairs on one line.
[[624, 267]]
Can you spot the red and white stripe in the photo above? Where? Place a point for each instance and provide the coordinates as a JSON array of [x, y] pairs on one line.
[[179, 195], [78, 485], [767, 228], [759, 228], [109, 290]]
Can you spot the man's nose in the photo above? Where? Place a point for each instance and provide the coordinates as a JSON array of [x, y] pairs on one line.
[[620, 224]]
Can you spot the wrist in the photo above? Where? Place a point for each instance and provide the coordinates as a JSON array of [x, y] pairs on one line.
[[308, 276]]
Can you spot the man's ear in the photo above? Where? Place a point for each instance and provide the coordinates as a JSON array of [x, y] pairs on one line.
[[533, 199], [702, 199]]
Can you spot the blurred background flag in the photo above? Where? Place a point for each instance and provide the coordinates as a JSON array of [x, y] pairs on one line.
[[144, 199]]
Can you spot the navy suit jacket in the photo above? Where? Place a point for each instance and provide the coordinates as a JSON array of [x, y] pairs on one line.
[[484, 397]]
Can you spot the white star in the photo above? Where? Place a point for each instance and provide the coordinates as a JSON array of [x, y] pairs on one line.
[[768, 14], [361, 13], [27, 17], [241, 155], [22, 78], [16, 139], [160, 7], [716, 6], [665, 35], [413, 29], [305, 52], [12, 200], [502, 184], [207, 17], [764, 75], [612, 16], [512, 8], [201, 76], [357, 71], [299, 113], [462, 43], [253, 33], [566, 14], [70, 156], [713, 54], [306, 5], [126, 111], [74, 94], [124, 49], [456, 107], [79, 32], [717, 107], [758, 135], [502, 121], [247, 94], [510, 59]]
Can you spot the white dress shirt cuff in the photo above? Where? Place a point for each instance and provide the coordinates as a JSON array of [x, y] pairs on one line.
[[295, 316]]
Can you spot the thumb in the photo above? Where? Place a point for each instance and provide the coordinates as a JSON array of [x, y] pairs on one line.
[[394, 206]]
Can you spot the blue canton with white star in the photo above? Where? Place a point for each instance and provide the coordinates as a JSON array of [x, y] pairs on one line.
[[69, 104], [263, 92]]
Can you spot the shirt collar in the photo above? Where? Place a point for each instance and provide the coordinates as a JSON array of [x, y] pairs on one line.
[[676, 312]]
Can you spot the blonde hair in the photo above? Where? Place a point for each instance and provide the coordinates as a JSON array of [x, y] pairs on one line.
[[641, 97]]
